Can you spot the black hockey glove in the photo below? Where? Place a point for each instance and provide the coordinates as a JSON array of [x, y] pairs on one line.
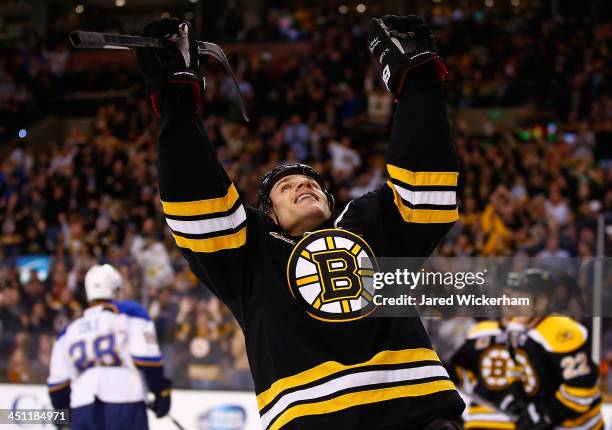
[[173, 72], [534, 417], [161, 404], [402, 43]]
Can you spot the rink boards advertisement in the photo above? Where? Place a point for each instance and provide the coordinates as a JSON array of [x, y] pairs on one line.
[[192, 409]]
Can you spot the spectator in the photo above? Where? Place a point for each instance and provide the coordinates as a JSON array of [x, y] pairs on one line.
[[553, 250], [345, 159], [296, 137], [556, 207], [152, 257]]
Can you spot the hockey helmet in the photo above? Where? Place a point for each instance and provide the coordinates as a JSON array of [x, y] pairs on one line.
[[279, 172], [537, 281], [101, 282]]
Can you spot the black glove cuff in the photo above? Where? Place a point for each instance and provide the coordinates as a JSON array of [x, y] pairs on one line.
[[422, 62], [182, 90]]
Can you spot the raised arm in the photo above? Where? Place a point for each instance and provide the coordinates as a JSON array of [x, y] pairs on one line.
[[422, 162], [201, 205], [418, 204]]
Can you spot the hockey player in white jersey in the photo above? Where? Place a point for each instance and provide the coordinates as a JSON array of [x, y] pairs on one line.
[[99, 360]]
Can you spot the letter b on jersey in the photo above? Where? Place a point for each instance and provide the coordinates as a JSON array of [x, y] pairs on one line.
[[339, 275], [326, 274]]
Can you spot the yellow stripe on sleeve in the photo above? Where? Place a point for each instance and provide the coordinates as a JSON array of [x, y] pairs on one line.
[[360, 398], [213, 244], [202, 207], [140, 363], [446, 179], [331, 367]]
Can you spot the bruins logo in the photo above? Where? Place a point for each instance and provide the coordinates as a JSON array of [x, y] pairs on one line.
[[330, 273], [495, 365], [530, 379]]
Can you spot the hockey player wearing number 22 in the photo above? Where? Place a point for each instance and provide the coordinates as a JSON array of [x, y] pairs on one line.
[[291, 272]]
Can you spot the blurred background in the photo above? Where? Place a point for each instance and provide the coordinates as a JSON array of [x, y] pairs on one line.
[[529, 93]]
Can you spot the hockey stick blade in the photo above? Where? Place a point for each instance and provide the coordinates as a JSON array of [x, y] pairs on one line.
[[94, 40], [217, 53]]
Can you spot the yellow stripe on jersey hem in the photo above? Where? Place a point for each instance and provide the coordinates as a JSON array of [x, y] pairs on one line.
[[570, 404], [349, 400], [582, 419], [423, 216], [213, 244], [595, 426], [445, 179], [481, 410], [580, 391], [59, 386], [488, 425], [331, 367], [202, 207]]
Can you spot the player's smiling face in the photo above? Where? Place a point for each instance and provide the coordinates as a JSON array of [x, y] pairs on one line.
[[298, 204]]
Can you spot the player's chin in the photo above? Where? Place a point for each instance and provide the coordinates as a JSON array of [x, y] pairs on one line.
[[313, 210]]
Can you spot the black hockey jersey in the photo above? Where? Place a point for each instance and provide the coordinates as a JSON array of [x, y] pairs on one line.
[[559, 372], [317, 360], [483, 366]]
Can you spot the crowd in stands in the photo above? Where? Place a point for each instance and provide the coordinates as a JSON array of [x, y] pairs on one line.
[[535, 188]]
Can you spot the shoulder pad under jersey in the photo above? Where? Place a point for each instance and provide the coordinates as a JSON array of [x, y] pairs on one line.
[[132, 309], [559, 334], [484, 328]]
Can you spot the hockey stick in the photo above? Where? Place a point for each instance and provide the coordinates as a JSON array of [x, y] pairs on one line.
[[174, 421], [484, 402], [95, 40]]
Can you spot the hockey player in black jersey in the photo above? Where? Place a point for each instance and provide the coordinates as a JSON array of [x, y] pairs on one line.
[[292, 273], [484, 367], [560, 380]]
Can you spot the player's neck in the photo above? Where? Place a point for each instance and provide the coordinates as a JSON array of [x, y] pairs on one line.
[[97, 302]]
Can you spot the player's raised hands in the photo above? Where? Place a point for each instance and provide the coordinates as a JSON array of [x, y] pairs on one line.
[[175, 65], [401, 43]]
